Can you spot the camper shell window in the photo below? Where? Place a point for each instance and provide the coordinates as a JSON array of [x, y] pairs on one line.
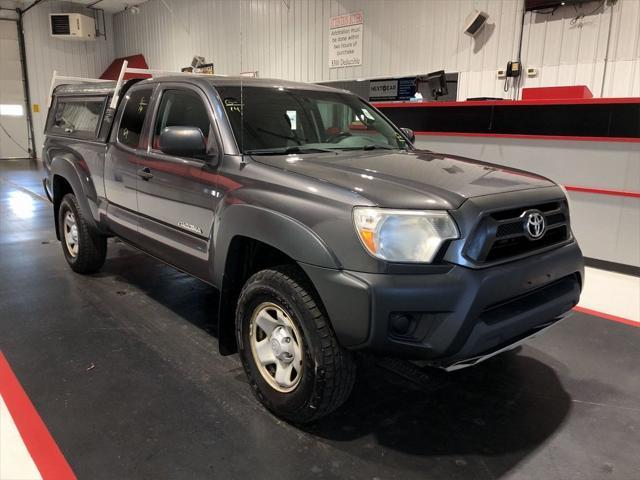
[[77, 117]]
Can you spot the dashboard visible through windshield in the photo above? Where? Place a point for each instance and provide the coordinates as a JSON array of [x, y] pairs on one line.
[[277, 120]]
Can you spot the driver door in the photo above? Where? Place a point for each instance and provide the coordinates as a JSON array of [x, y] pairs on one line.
[[177, 196]]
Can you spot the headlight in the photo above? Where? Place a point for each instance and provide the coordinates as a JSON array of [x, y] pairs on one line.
[[403, 235]]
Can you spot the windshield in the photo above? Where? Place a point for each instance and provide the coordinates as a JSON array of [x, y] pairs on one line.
[[281, 120]]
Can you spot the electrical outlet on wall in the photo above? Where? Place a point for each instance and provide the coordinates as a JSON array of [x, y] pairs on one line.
[[502, 73], [532, 72]]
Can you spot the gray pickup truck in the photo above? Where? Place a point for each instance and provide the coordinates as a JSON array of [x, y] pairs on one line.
[[323, 229]]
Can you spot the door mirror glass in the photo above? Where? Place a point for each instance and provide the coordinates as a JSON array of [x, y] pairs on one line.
[[409, 133], [183, 142]]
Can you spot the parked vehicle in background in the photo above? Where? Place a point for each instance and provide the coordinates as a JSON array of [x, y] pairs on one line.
[[324, 230]]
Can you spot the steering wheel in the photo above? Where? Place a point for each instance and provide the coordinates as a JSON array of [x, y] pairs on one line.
[[336, 137]]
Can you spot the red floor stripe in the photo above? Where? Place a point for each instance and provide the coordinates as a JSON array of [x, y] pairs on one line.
[[607, 316], [39, 442]]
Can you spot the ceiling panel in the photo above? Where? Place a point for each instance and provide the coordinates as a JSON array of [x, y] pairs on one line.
[[110, 6]]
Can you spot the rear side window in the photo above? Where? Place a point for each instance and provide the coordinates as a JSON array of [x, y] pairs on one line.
[[135, 111], [77, 117]]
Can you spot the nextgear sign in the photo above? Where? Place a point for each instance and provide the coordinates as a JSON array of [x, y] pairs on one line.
[[392, 88], [383, 89], [345, 40]]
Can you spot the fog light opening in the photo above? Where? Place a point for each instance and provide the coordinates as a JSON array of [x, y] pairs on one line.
[[400, 323]]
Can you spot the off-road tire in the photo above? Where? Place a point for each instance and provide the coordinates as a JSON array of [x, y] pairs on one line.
[[328, 372], [92, 247]]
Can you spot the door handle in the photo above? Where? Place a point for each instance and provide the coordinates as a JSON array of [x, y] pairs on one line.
[[145, 173]]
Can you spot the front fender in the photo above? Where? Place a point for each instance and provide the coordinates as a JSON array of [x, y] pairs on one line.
[[281, 232], [272, 228], [76, 173]]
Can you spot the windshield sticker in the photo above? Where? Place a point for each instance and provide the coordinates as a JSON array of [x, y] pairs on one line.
[[142, 105], [367, 114], [292, 115], [232, 104]]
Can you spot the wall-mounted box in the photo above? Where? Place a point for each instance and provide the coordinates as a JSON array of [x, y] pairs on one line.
[[72, 26]]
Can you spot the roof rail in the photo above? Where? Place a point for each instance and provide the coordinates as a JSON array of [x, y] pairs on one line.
[[55, 78], [125, 69]]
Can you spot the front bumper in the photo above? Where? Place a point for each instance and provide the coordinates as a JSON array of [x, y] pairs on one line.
[[454, 317]]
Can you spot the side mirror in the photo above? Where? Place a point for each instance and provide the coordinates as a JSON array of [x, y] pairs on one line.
[[409, 133], [183, 142]]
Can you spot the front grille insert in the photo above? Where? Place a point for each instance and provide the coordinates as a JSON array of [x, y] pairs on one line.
[[501, 235], [523, 303], [511, 247]]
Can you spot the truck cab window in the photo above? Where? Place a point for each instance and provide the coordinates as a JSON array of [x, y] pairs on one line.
[[133, 117], [181, 108]]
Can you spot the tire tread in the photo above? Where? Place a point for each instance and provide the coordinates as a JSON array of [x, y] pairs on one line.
[[93, 246], [338, 371]]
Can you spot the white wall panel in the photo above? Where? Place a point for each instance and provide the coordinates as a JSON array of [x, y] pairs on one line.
[[289, 39], [46, 54]]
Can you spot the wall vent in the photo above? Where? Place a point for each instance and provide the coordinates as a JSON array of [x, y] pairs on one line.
[[72, 26]]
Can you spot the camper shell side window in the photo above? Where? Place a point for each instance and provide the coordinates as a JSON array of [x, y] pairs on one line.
[[76, 116]]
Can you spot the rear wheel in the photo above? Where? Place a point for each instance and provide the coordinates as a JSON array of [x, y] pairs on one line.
[[289, 351], [84, 249]]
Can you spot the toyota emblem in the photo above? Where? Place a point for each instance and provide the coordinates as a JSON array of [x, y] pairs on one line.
[[534, 224]]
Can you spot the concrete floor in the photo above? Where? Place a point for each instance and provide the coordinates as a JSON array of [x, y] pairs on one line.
[[123, 369]]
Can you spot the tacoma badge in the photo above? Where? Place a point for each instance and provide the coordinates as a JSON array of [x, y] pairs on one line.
[[191, 228]]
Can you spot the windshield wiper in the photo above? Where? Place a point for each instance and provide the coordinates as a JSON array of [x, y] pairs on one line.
[[373, 146], [288, 150]]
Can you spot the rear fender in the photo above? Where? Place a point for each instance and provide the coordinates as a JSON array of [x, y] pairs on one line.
[[76, 173]]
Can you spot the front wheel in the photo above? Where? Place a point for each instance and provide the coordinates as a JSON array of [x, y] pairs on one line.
[[84, 249], [294, 363]]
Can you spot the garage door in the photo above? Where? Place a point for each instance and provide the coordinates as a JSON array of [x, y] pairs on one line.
[[13, 118]]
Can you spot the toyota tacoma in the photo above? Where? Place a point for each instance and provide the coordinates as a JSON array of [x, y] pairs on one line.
[[322, 227]]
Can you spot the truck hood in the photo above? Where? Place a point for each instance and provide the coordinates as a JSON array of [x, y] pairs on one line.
[[417, 179]]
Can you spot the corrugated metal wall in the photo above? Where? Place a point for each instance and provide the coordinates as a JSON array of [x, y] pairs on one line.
[[289, 39], [46, 54], [570, 52]]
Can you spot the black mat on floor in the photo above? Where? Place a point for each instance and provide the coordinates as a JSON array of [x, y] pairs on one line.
[[124, 370]]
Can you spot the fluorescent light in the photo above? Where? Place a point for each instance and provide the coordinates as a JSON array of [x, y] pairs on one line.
[[11, 110]]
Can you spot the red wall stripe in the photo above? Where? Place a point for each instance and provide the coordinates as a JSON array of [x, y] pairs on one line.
[[39, 442], [533, 137], [603, 191], [490, 103]]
